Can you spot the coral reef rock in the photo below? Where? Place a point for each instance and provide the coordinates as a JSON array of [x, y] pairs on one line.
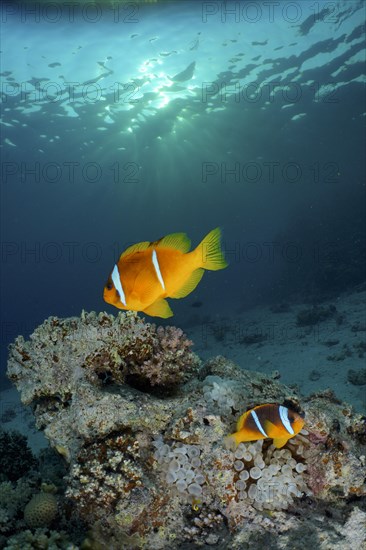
[[141, 426]]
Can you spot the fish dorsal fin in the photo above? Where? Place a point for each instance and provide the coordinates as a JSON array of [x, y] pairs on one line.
[[177, 241], [139, 247], [189, 285], [160, 308], [279, 442]]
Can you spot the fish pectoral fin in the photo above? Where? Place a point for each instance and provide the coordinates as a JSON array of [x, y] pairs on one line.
[[176, 241], [275, 433], [269, 427], [160, 308], [279, 442], [148, 292], [189, 285]]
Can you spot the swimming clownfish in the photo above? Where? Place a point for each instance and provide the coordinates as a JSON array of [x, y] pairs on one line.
[[148, 272], [267, 422]]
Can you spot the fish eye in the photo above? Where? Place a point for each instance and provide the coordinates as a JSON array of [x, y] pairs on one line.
[[109, 285]]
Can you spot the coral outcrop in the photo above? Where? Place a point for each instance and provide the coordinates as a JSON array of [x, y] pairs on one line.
[[141, 430], [107, 350]]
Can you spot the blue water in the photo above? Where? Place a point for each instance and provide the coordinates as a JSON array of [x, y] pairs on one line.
[[124, 125]]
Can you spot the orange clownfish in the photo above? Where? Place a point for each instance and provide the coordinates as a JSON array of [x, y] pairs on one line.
[[267, 421], [148, 272]]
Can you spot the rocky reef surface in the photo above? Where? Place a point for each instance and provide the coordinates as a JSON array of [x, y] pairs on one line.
[[140, 423]]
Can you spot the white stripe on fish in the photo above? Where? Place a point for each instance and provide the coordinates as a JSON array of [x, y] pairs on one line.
[[284, 419], [259, 425], [157, 268], [118, 285]]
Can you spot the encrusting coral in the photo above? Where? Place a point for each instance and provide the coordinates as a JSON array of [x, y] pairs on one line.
[[22, 506], [150, 468], [40, 539], [13, 498]]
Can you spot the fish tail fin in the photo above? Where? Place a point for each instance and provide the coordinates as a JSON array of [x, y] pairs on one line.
[[232, 441], [210, 255]]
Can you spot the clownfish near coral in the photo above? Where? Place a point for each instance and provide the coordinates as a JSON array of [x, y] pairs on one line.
[[148, 272], [268, 421]]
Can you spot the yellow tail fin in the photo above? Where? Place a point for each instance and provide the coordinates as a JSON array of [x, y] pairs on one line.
[[209, 251]]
